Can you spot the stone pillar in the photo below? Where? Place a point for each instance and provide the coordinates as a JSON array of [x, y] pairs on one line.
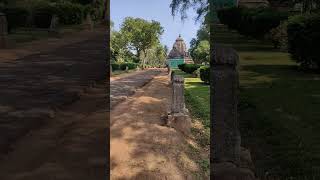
[[3, 31], [53, 29], [177, 117], [224, 101], [178, 95], [225, 141]]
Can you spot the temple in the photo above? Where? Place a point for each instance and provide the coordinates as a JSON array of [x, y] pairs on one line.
[[179, 54]]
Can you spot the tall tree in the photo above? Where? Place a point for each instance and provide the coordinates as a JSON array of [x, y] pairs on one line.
[[141, 34]]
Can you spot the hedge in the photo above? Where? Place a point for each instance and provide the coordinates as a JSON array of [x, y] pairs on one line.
[[123, 66], [251, 22], [43, 13], [304, 39], [70, 13], [205, 74], [188, 68]]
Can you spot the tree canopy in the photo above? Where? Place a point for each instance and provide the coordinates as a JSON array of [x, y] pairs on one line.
[[138, 40]]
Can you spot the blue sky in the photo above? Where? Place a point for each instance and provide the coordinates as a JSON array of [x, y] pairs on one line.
[[158, 10]]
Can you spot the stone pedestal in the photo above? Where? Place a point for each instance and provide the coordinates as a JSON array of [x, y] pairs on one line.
[[177, 117], [3, 31]]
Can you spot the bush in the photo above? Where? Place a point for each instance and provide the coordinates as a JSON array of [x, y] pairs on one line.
[[16, 17], [188, 68], [279, 36], [205, 74], [304, 40], [123, 66], [181, 66], [70, 13], [251, 22], [115, 67], [43, 14]]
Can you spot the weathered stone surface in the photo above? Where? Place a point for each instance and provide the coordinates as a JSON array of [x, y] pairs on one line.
[[178, 105], [226, 136], [180, 122]]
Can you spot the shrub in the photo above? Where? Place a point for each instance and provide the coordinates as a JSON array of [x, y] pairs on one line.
[[304, 40], [123, 66], [251, 22], [279, 36], [188, 68], [205, 74], [115, 66], [16, 17], [70, 13], [181, 66], [43, 14]]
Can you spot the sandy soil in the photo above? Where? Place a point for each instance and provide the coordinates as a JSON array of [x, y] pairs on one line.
[[141, 147]]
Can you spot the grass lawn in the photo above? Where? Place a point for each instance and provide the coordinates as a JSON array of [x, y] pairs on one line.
[[279, 109]]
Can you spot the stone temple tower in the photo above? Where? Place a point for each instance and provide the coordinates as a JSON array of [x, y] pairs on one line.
[[179, 54]]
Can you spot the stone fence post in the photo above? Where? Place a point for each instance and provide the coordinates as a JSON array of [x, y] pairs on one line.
[[178, 105], [3, 31], [177, 117], [226, 140]]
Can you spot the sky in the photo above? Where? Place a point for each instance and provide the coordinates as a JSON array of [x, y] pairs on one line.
[[160, 11]]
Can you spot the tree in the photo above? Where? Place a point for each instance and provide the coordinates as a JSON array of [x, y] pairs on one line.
[[201, 54], [141, 35]]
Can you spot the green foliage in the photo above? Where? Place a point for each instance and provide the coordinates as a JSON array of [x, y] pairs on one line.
[[70, 13], [123, 66], [115, 66], [141, 34], [201, 53], [279, 36], [251, 22], [188, 68], [43, 13], [16, 17], [205, 74], [303, 39], [200, 47]]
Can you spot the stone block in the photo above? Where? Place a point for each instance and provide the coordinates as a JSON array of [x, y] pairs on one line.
[[181, 122]]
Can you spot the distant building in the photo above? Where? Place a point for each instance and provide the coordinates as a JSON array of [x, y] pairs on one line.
[[179, 54]]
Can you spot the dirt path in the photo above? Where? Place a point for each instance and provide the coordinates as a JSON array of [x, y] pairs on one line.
[[141, 147], [126, 86], [71, 146]]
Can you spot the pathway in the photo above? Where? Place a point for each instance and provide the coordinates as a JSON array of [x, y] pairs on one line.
[[123, 87], [36, 88], [141, 147]]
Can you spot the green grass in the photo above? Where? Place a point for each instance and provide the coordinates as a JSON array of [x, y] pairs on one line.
[[279, 109]]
